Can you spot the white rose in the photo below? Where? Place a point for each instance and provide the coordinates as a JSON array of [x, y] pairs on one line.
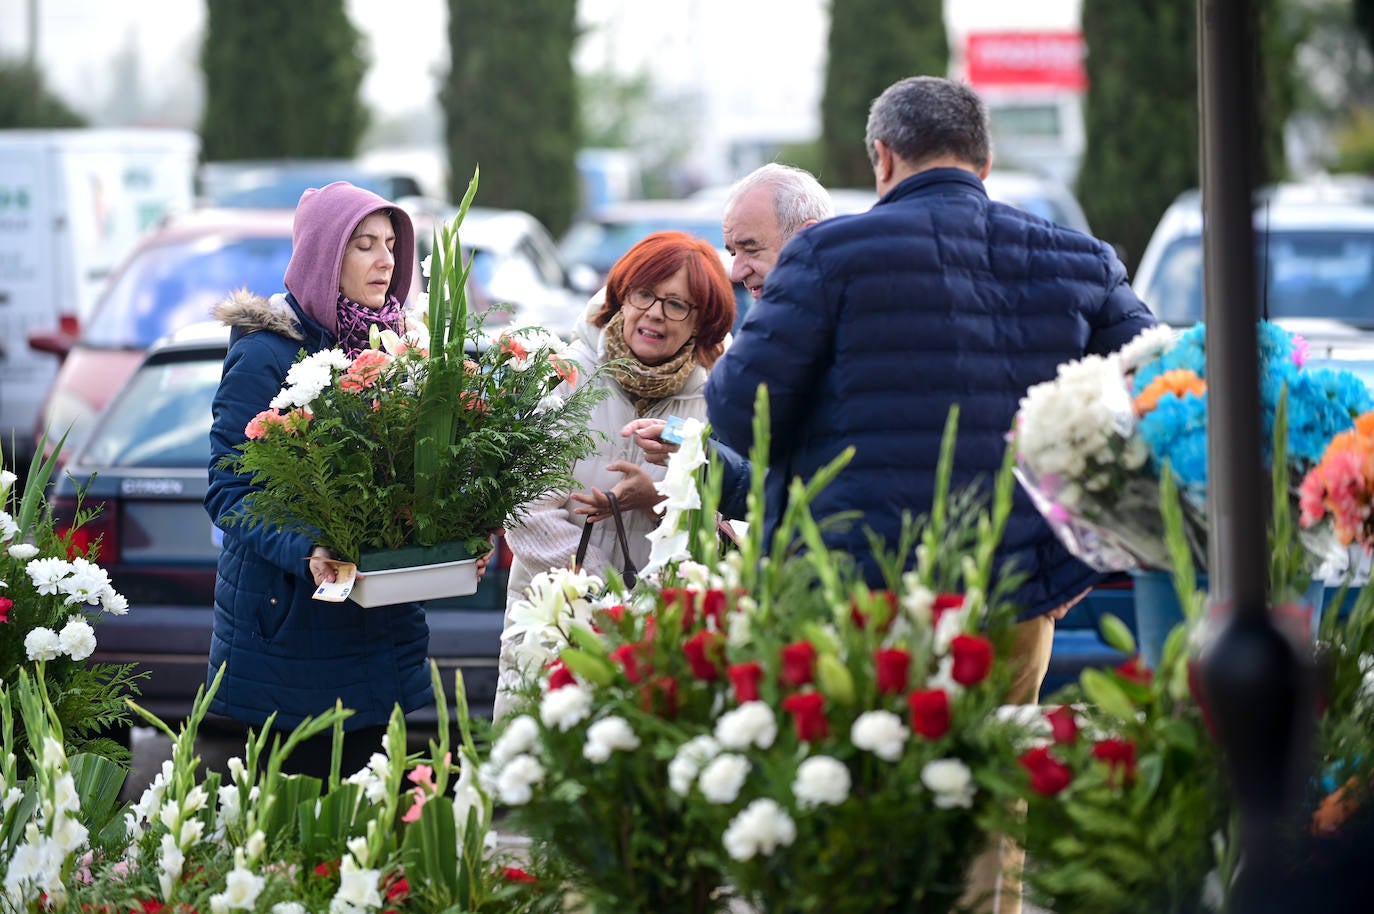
[[821, 781]]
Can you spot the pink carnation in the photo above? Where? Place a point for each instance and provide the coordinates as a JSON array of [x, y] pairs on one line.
[[365, 371], [259, 424]]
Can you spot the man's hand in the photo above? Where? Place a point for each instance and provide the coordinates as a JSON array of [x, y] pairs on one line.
[[647, 434], [635, 491]]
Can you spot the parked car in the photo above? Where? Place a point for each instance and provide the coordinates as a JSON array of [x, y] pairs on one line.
[[1314, 250], [144, 467]]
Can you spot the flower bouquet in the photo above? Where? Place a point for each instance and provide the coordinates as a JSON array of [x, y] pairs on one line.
[[431, 442], [51, 596], [397, 836], [1093, 443], [763, 726]]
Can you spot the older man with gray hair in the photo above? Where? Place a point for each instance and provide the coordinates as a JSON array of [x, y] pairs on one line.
[[766, 208]]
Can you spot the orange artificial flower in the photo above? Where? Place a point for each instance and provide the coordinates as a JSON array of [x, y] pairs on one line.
[[1178, 382]]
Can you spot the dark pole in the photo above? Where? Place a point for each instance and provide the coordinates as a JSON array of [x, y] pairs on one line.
[[1256, 680]]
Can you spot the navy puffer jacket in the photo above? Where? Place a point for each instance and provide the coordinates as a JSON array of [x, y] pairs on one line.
[[872, 326], [286, 652]]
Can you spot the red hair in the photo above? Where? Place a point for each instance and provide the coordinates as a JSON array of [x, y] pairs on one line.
[[659, 256]]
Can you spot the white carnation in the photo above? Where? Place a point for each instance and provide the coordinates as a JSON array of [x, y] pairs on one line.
[[565, 708], [751, 724], [609, 735], [688, 762], [821, 781], [23, 551], [880, 732], [77, 638], [722, 778], [760, 828], [515, 783], [951, 781], [42, 644], [519, 736]]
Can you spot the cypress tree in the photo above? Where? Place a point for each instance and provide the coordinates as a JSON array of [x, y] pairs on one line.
[[282, 80], [26, 102], [510, 105], [873, 43], [1141, 111]]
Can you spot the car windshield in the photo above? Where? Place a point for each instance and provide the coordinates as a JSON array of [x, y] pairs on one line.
[[600, 244], [1316, 274], [171, 285], [161, 419]]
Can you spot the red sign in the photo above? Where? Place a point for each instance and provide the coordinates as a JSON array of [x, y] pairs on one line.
[[1037, 59]]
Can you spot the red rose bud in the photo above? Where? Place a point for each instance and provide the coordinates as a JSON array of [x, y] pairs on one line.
[[659, 695], [943, 602], [929, 712], [627, 655], [972, 659], [745, 677], [1063, 725], [703, 652], [1135, 670], [515, 874], [892, 666], [798, 663], [684, 597], [1119, 754], [808, 715], [713, 605], [1048, 775], [560, 676]]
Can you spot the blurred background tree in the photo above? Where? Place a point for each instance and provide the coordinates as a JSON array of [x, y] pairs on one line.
[[282, 80], [1141, 110], [510, 105], [873, 43], [26, 102]]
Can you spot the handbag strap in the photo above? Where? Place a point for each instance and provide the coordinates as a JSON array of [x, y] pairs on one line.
[[628, 572]]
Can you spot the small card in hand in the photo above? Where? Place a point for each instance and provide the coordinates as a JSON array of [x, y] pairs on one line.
[[673, 432]]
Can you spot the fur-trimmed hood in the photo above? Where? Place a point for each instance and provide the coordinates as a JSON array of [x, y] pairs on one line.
[[247, 311]]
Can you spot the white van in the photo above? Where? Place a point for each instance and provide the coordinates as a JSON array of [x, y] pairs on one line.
[[72, 204]]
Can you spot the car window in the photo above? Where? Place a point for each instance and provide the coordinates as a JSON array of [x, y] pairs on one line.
[[169, 286], [1319, 274], [600, 244], [161, 418]]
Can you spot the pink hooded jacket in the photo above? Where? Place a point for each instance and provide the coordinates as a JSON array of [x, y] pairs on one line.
[[325, 220]]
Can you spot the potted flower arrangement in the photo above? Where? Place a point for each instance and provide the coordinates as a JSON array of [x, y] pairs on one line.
[[762, 726], [400, 835], [413, 452], [51, 597], [1094, 443]]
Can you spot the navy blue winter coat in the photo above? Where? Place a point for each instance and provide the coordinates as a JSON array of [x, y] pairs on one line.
[[871, 326], [286, 652]]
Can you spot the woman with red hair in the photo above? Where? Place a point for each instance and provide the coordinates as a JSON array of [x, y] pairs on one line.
[[659, 325]]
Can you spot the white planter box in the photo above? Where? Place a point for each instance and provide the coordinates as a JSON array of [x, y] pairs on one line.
[[417, 582]]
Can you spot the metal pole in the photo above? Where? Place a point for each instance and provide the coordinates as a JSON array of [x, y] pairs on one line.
[[1257, 681]]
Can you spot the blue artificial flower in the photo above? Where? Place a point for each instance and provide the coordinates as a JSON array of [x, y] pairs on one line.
[[1176, 433], [1321, 403]]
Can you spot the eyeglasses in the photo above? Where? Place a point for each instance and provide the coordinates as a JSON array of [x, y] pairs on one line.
[[674, 309]]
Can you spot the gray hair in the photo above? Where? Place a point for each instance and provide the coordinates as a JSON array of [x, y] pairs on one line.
[[926, 117], [798, 197]]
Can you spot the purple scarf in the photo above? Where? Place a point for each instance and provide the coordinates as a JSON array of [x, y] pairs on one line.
[[355, 322]]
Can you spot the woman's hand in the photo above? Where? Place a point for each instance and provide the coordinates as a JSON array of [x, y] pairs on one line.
[[647, 433], [320, 569], [635, 491], [482, 562]]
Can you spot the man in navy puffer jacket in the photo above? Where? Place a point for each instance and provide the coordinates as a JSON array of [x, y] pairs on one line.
[[872, 326]]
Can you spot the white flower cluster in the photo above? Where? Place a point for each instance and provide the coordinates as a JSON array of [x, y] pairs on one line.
[[80, 582], [751, 724], [511, 771], [760, 828], [51, 836], [1077, 428], [951, 781], [375, 776], [537, 626], [880, 732], [610, 734], [668, 541], [310, 377]]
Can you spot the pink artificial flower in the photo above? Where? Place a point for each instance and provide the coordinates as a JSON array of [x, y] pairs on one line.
[[1301, 350]]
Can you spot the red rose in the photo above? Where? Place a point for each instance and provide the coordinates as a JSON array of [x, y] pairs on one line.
[[628, 656], [746, 678], [798, 663], [972, 659], [515, 874], [1135, 670], [560, 676], [396, 890], [893, 669], [684, 597], [881, 614], [1063, 725], [713, 604], [944, 601], [1048, 775], [807, 710], [703, 652], [1119, 754], [659, 695], [328, 868], [615, 613], [929, 712]]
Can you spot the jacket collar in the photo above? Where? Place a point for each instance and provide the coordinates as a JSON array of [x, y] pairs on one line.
[[933, 179]]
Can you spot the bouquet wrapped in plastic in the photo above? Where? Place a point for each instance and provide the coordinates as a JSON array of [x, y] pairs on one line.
[[1093, 443]]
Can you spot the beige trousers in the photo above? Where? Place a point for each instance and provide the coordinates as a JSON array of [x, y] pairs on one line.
[[994, 878]]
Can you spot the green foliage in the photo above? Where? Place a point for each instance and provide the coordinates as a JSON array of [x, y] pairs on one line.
[[872, 44], [25, 101], [1141, 111], [1355, 143], [282, 80], [510, 103]]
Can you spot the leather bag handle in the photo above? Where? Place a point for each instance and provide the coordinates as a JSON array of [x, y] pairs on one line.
[[628, 572]]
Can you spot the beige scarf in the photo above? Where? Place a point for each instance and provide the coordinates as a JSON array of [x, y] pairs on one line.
[[646, 383]]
